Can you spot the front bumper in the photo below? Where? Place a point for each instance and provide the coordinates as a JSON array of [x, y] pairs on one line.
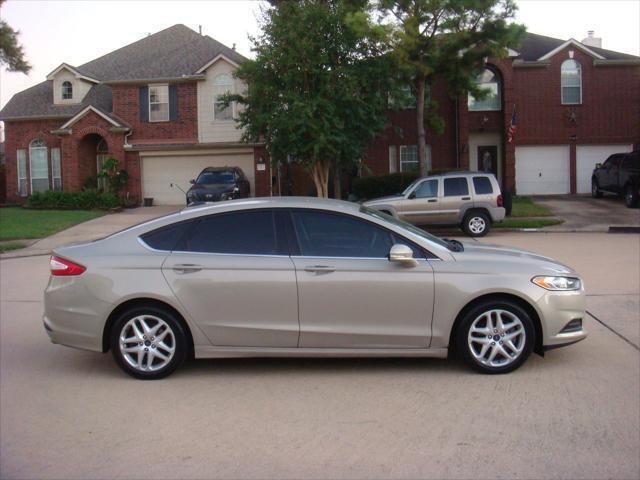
[[557, 310]]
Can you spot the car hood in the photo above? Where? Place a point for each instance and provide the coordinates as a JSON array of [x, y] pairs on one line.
[[501, 254], [382, 200]]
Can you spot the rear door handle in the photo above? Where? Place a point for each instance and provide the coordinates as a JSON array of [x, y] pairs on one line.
[[432, 200], [466, 198], [319, 269], [186, 268]]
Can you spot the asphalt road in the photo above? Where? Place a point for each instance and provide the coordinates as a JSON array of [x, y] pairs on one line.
[[65, 413]]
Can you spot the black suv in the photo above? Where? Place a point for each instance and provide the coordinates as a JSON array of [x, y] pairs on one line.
[[619, 174], [219, 183]]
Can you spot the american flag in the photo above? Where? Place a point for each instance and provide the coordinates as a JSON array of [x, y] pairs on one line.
[[513, 126]]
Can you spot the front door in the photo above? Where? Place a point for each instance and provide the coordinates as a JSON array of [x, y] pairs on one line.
[[422, 206], [488, 159], [233, 275], [350, 295]]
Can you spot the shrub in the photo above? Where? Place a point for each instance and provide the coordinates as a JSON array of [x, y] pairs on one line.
[[85, 200], [366, 188]]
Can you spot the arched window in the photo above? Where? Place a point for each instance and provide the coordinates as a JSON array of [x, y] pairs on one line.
[[571, 82], [38, 166], [67, 90], [222, 84], [488, 80]]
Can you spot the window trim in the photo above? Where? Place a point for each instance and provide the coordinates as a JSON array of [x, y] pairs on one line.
[[41, 147], [562, 86], [156, 85], [232, 106], [66, 88], [24, 171]]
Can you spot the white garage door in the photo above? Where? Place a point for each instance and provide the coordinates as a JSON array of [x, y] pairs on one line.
[[542, 170], [159, 172], [586, 158]]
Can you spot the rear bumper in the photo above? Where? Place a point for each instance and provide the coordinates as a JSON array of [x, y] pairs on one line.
[[497, 213], [63, 336]]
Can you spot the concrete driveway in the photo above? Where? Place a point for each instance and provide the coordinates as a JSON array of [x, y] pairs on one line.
[[583, 213], [574, 414]]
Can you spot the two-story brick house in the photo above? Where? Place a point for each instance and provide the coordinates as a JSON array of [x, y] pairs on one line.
[[574, 103], [152, 105]]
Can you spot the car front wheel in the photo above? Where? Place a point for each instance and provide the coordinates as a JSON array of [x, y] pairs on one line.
[[631, 197], [595, 189], [476, 224], [495, 337], [148, 343]]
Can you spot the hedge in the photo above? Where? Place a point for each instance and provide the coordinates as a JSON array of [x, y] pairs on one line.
[[85, 200]]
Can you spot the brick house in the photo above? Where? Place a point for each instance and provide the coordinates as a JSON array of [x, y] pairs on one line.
[[151, 105], [575, 104]]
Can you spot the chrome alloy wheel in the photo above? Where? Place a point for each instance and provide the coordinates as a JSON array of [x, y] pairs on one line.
[[147, 343], [496, 338], [477, 225]]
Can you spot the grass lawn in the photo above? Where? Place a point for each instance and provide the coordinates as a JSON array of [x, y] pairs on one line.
[[525, 207], [527, 223], [16, 222], [5, 247]]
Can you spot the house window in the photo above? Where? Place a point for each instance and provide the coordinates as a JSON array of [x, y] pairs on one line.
[[571, 82], [158, 103], [488, 81], [38, 166], [67, 90], [56, 172], [222, 84], [21, 156], [409, 158], [102, 153]]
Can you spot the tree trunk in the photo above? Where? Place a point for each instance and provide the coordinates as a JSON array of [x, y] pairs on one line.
[[337, 184], [320, 175], [422, 138]]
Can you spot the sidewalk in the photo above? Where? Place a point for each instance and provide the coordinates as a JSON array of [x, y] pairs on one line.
[[91, 230]]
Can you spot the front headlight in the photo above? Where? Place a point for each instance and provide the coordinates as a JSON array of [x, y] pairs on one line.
[[558, 283]]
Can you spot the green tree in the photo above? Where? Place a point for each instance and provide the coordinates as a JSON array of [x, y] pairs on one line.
[[317, 89], [448, 40], [11, 53]]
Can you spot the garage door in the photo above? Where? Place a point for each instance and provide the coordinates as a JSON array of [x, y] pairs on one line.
[[542, 170], [159, 172], [586, 158]]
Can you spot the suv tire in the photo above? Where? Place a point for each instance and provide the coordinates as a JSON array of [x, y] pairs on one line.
[[631, 197], [595, 189], [476, 223]]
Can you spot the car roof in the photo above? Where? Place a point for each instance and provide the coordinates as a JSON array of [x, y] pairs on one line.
[[275, 202], [219, 169], [458, 173]]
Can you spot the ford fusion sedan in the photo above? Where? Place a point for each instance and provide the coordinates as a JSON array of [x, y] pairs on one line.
[[305, 277], [219, 183]]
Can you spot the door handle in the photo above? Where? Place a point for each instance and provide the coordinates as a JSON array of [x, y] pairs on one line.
[[432, 200], [186, 268], [466, 198], [319, 269]]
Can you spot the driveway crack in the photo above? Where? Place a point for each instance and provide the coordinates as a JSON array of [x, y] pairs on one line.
[[613, 330]]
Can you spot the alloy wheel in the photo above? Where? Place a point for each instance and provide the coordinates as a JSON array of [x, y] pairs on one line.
[[496, 338], [147, 343]]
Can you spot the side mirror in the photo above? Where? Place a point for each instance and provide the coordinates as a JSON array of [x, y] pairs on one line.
[[412, 195], [192, 181], [402, 254], [598, 166]]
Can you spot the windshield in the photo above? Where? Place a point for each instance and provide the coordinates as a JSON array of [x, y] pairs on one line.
[[407, 226], [211, 178]]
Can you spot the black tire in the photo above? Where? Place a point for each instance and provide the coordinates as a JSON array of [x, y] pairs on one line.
[[595, 189], [473, 221], [462, 333], [631, 197], [179, 343]]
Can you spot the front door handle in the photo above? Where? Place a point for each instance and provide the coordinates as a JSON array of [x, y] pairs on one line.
[[319, 269], [466, 198], [432, 200], [183, 268]]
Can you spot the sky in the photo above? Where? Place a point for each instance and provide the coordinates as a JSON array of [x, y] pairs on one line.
[[77, 31]]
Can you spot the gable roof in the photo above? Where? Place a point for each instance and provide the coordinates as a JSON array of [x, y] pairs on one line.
[[175, 52], [535, 47], [66, 66]]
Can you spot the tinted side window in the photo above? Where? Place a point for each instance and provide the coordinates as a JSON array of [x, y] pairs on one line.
[[631, 161], [482, 185], [427, 189], [243, 233], [455, 187], [166, 238], [323, 234]]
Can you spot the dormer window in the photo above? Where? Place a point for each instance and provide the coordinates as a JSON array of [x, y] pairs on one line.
[[571, 82], [67, 90], [222, 84]]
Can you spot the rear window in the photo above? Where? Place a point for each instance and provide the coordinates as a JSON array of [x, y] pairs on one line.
[[166, 238], [482, 185], [456, 187]]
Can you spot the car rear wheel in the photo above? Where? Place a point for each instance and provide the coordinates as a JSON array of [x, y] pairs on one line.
[[148, 343], [631, 197], [495, 337], [595, 189], [476, 224]]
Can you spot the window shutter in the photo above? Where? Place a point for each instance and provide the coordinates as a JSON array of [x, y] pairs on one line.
[[144, 104], [173, 103]]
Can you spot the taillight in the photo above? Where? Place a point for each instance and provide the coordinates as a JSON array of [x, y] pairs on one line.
[[63, 267], [500, 201]]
